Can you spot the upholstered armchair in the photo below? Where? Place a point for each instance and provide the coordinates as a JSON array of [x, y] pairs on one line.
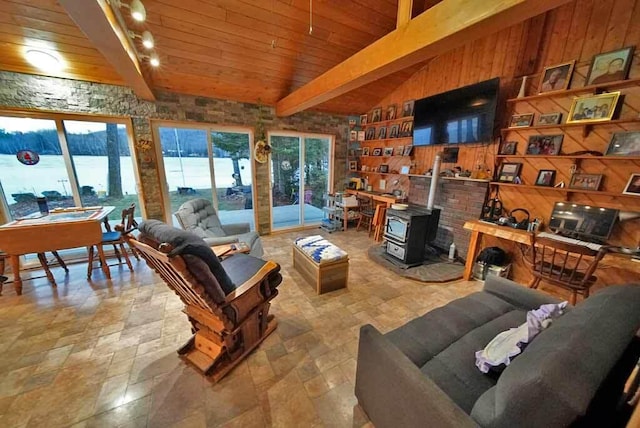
[[227, 301], [199, 216]]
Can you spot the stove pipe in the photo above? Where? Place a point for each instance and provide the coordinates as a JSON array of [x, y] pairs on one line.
[[435, 177]]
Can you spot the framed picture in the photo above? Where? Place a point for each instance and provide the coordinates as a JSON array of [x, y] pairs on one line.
[[407, 108], [556, 77], [633, 186], [363, 119], [508, 148], [393, 131], [388, 151], [361, 135], [450, 154], [406, 129], [353, 135], [376, 151], [624, 144], [509, 172], [610, 66], [546, 177], [585, 181], [544, 144], [407, 150], [370, 133], [382, 133], [593, 108], [384, 168], [550, 118], [365, 151], [391, 112], [376, 115], [352, 123], [398, 150], [353, 165], [521, 120]]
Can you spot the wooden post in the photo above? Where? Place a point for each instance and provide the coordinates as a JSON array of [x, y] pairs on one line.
[[405, 7]]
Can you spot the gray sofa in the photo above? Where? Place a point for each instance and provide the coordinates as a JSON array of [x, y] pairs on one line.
[[199, 216], [423, 374]]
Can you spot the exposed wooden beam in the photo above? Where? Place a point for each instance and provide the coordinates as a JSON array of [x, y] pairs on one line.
[[98, 22], [447, 25], [405, 9]]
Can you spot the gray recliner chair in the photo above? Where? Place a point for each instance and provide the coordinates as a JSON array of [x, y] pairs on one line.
[[199, 216]]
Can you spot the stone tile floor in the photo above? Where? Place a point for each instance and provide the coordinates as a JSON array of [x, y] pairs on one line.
[[103, 353]]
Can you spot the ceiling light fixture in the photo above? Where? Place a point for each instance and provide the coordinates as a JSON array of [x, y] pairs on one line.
[[153, 58], [138, 12], [146, 36], [45, 61]]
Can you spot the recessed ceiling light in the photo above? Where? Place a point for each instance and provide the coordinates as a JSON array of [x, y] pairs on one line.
[[45, 61]]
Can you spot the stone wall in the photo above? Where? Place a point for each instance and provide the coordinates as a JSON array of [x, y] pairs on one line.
[[23, 91], [459, 199]]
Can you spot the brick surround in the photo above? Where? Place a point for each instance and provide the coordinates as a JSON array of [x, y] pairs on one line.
[[459, 199]]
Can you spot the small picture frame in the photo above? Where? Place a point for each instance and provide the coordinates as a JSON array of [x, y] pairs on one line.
[[545, 145], [407, 128], [550, 118], [376, 115], [361, 136], [384, 168], [521, 120], [593, 108], [624, 144], [508, 148], [377, 151], [633, 186], [585, 181], [610, 66], [556, 77], [365, 151], [352, 123], [398, 150], [363, 119], [388, 151], [382, 133], [353, 165], [509, 171], [370, 133], [546, 177], [353, 135], [404, 169], [407, 150], [450, 154], [407, 108], [391, 112], [393, 131]]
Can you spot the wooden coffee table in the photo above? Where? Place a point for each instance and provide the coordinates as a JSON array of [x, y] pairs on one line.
[[230, 249]]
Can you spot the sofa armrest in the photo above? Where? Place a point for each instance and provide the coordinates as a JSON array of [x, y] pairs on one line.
[[395, 393], [220, 240], [236, 228], [516, 294]]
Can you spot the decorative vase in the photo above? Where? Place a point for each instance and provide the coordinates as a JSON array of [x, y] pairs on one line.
[[523, 86]]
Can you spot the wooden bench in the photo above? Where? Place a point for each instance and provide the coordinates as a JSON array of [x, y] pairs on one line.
[[321, 263]]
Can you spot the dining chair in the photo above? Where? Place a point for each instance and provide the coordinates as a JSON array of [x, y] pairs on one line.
[[367, 211], [115, 238]]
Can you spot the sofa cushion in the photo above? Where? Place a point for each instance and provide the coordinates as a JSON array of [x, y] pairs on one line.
[[199, 216], [561, 370]]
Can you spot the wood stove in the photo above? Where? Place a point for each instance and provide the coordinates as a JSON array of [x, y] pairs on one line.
[[408, 231]]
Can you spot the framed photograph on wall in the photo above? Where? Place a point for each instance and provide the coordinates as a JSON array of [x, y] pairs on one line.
[[633, 186], [382, 133], [508, 148], [406, 129], [585, 181], [376, 115], [521, 120], [509, 171], [370, 133], [556, 77], [407, 108], [550, 118], [393, 131], [361, 136], [391, 112], [593, 108], [388, 151], [546, 177], [384, 168], [407, 150], [353, 165], [377, 151], [363, 119], [544, 144], [353, 135], [398, 150], [365, 151], [610, 66], [624, 144]]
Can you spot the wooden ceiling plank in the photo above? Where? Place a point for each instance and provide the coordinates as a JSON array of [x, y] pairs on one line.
[[16, 9], [447, 25], [97, 21], [47, 36], [65, 50]]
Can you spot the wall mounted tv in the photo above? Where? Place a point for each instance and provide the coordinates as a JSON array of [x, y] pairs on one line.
[[463, 115]]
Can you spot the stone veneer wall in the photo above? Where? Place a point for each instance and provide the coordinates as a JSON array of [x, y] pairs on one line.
[[23, 91], [459, 199]]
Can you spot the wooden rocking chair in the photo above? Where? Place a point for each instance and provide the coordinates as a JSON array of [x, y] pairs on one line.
[[227, 302]]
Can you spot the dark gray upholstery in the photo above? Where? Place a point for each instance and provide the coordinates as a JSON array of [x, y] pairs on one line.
[[424, 374], [198, 216]]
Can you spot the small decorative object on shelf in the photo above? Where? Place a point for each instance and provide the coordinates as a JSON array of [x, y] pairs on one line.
[[352, 123], [384, 168], [624, 144], [361, 136], [585, 181], [407, 108], [393, 131], [353, 135], [398, 150], [633, 186], [382, 133], [376, 115], [407, 150], [509, 171], [388, 151], [365, 151], [544, 144], [593, 108], [550, 118], [370, 133], [521, 120], [508, 148], [546, 177], [391, 112], [556, 77], [610, 66], [376, 151], [353, 165], [523, 87], [407, 128]]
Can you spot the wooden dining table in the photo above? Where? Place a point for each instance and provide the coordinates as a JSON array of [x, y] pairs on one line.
[[60, 229]]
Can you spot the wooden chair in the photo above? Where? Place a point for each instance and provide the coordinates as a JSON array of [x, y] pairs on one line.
[[379, 221], [116, 238], [565, 265], [227, 326], [367, 211], [43, 262]]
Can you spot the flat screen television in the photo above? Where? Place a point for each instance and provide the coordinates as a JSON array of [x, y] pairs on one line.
[[584, 222], [463, 115]]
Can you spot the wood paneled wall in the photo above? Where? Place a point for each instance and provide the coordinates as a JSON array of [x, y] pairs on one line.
[[575, 31]]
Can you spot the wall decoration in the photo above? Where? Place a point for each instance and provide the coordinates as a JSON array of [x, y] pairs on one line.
[[556, 77], [393, 131], [544, 144], [633, 186], [353, 165], [370, 133], [406, 129], [407, 150], [353, 135], [398, 150], [407, 108], [376, 115], [521, 120], [384, 168], [363, 119], [450, 154], [508, 148], [585, 181], [361, 136], [624, 144], [593, 108], [28, 157], [144, 145], [262, 151], [610, 66], [404, 169], [365, 151], [546, 177], [391, 112], [376, 151], [352, 123], [382, 133], [509, 171], [550, 118], [388, 151]]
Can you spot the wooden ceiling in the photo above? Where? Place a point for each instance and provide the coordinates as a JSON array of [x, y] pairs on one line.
[[246, 50]]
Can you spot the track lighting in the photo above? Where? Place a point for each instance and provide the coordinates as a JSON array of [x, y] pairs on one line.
[[153, 58], [138, 12], [146, 36]]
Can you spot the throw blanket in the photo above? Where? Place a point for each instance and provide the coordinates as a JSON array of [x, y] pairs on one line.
[[319, 249]]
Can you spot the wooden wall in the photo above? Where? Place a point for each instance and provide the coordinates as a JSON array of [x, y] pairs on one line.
[[577, 31]]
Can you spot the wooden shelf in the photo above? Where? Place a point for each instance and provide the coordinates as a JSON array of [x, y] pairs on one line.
[[383, 156], [425, 176], [386, 139], [632, 158], [590, 88], [570, 125], [561, 189], [385, 122]]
